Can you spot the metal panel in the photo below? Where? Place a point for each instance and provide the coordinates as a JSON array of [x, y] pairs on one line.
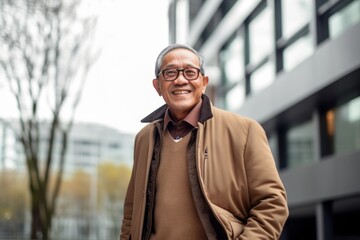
[[331, 178], [331, 61]]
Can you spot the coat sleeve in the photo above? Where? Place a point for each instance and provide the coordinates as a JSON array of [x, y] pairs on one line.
[[128, 210], [129, 224], [268, 203]]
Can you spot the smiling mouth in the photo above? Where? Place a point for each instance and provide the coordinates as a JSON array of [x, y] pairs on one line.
[[180, 92]]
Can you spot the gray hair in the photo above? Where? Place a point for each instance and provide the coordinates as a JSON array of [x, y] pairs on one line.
[[160, 58]]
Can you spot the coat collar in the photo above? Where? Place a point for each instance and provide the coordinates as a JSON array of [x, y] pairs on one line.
[[158, 114]]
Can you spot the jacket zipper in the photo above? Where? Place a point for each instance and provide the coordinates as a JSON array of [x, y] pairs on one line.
[[204, 163], [202, 185]]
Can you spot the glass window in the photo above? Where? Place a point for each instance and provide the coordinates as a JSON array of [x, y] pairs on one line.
[[297, 52], [346, 213], [194, 8], [261, 36], [344, 19], [8, 156], [262, 77], [301, 226], [295, 14], [273, 143], [232, 58], [347, 126], [300, 145], [235, 97]]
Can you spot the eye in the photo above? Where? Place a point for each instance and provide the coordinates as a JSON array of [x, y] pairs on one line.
[[170, 72], [190, 72]]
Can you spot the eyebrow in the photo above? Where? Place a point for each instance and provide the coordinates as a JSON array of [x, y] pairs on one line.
[[175, 66]]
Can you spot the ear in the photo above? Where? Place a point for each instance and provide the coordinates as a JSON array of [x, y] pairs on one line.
[[157, 86], [205, 83]]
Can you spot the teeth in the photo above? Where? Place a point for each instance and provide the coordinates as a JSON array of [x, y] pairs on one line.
[[180, 92]]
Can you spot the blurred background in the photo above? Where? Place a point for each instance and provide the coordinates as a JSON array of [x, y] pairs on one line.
[[75, 80]]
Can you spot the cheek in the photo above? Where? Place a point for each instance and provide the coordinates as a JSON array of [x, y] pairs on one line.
[[163, 89], [199, 88]]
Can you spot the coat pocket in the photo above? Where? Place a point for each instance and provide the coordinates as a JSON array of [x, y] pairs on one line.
[[237, 227], [234, 227]]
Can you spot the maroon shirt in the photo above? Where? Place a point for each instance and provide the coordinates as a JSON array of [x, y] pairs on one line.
[[179, 129]]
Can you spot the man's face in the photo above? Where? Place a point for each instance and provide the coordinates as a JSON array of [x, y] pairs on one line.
[[180, 95]]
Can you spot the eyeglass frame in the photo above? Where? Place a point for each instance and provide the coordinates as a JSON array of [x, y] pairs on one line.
[[178, 73]]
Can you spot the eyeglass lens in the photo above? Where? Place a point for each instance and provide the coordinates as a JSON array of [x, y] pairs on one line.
[[189, 73]]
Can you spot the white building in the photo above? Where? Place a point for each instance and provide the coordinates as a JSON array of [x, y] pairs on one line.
[[89, 145]]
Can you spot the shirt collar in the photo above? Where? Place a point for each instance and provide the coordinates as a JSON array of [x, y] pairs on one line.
[[205, 112], [192, 118]]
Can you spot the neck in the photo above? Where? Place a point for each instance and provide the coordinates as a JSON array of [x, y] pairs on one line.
[[178, 117]]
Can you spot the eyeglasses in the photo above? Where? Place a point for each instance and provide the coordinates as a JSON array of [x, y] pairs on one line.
[[170, 74]]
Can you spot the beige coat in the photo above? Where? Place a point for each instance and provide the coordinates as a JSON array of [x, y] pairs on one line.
[[237, 176]]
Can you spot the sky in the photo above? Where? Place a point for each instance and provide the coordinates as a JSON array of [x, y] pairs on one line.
[[119, 92]]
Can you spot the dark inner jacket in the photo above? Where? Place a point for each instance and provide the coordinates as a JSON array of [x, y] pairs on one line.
[[212, 227]]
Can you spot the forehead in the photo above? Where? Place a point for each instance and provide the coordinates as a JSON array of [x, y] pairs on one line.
[[180, 56]]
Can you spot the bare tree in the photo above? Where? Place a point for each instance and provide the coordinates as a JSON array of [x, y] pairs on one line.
[[45, 57]]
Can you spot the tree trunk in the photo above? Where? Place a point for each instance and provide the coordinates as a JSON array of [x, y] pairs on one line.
[[35, 221], [41, 220], [40, 212]]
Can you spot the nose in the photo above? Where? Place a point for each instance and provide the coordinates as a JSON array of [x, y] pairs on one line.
[[180, 80]]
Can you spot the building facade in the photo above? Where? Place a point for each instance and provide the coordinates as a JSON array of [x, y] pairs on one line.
[[89, 145], [294, 66]]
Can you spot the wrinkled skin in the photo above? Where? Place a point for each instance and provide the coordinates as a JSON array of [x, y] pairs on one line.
[[180, 95]]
